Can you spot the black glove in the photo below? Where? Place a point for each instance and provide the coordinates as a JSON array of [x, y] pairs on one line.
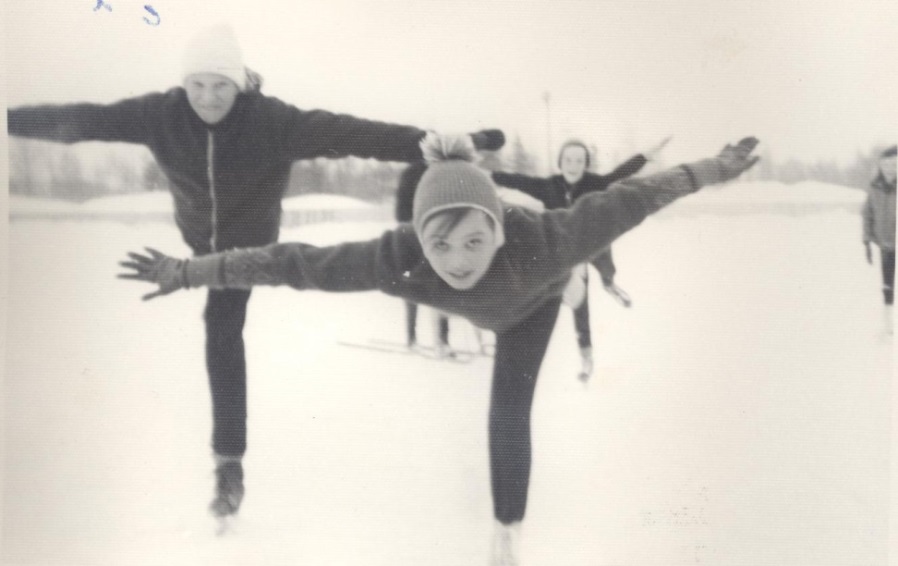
[[168, 272], [731, 162], [489, 140]]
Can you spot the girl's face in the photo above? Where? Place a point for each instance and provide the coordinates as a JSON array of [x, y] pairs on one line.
[[887, 166], [460, 254], [573, 163], [210, 95]]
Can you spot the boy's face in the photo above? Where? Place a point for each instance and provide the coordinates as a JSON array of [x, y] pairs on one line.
[[887, 166], [573, 163], [211, 96], [462, 254]]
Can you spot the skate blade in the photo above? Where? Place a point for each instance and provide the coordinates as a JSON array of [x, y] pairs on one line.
[[225, 525]]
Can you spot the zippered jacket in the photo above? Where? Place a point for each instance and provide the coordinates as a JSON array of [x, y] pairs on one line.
[[228, 179]]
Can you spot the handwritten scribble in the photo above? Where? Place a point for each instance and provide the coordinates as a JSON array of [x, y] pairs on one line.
[[153, 13], [150, 15]]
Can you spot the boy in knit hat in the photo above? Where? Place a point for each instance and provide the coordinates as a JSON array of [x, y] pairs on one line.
[[879, 228], [227, 151], [503, 268]]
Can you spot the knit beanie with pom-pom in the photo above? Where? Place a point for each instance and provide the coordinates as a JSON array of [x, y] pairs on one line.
[[452, 180]]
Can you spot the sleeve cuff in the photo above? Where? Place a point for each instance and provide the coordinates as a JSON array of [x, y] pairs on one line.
[[205, 271]]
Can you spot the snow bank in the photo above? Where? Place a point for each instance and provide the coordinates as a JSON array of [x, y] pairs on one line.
[[158, 207], [734, 199], [770, 197]]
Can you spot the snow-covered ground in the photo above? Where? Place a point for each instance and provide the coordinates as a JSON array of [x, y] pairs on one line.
[[739, 416]]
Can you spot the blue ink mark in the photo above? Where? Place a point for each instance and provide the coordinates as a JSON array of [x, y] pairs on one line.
[[153, 13], [102, 4]]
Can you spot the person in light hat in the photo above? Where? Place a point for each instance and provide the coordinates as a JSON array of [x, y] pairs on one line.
[[502, 267], [227, 150], [561, 191], [879, 227]]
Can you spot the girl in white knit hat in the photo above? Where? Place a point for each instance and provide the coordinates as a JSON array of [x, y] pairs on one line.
[[503, 268]]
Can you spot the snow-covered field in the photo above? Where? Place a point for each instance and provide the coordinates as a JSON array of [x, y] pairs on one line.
[[740, 415]]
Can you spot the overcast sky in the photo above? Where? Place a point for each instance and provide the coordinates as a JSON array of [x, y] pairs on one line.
[[812, 79]]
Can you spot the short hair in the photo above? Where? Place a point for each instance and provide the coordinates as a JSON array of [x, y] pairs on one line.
[[574, 143], [449, 218]]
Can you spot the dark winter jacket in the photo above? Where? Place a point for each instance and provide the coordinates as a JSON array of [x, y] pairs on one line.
[[556, 192], [228, 179], [533, 266], [879, 214]]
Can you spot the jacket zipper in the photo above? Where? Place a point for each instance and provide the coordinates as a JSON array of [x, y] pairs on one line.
[[210, 173]]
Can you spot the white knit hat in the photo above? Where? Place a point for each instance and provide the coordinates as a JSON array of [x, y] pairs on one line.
[[215, 50]]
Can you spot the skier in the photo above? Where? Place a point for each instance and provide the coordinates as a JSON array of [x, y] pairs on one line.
[[227, 151], [561, 191], [879, 227], [405, 197], [502, 268]]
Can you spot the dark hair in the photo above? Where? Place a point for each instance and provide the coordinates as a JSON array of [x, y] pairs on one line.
[[451, 217], [889, 152], [574, 143]]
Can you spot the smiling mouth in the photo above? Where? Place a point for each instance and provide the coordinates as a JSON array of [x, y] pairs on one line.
[[460, 276]]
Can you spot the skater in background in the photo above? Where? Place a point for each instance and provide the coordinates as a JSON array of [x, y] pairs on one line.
[[405, 197], [503, 268], [561, 191], [879, 227], [227, 151]]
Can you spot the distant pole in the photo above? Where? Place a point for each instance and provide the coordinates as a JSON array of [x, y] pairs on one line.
[[547, 98]]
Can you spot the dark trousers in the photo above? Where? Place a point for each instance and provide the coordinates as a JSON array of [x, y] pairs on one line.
[[225, 315], [581, 320], [519, 354], [411, 317], [888, 275], [604, 263]]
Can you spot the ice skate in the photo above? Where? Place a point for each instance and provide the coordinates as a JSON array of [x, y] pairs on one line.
[[618, 294], [506, 544], [229, 486], [442, 351], [586, 364], [887, 331]]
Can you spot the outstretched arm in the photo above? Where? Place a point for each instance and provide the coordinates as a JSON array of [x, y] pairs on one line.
[[633, 165], [597, 219], [124, 121], [319, 133], [536, 187], [344, 267]]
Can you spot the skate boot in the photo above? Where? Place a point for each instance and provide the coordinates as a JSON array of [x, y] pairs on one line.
[[887, 324], [585, 363], [618, 294], [229, 486], [506, 544]]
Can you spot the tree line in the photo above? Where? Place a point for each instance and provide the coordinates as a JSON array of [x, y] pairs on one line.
[[78, 173]]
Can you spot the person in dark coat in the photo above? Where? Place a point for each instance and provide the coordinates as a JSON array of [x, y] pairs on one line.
[[562, 191], [503, 268], [879, 227], [227, 151]]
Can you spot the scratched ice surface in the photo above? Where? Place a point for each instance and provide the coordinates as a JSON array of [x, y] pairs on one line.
[[739, 414]]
